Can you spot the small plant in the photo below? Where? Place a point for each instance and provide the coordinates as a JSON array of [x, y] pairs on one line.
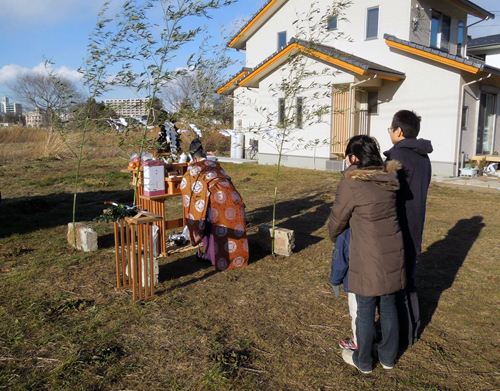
[[495, 153], [472, 164], [482, 163], [117, 212]]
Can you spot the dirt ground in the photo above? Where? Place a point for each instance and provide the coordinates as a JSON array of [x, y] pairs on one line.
[[273, 325]]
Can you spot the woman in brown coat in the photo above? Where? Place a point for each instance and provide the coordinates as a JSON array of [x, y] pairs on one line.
[[366, 201]]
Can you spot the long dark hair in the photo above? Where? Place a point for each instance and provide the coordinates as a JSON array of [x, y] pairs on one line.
[[366, 149]]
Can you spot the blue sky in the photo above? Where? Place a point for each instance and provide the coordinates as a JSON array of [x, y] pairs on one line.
[[31, 30]]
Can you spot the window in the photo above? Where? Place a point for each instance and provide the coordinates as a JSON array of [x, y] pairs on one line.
[[372, 23], [465, 115], [435, 31], [298, 111], [332, 23], [460, 37], [281, 111], [440, 31], [372, 102], [281, 40], [445, 33]]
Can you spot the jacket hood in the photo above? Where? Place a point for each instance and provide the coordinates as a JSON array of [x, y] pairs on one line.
[[383, 176], [418, 145]]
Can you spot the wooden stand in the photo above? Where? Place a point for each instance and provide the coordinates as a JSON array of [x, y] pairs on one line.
[[134, 247], [156, 204]]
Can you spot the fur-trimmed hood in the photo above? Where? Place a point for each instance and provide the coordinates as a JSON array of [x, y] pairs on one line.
[[383, 176]]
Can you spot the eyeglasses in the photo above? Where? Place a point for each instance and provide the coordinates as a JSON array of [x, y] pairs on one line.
[[389, 130]]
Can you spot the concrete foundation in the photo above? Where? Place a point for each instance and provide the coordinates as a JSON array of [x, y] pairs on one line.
[[86, 237], [284, 241]]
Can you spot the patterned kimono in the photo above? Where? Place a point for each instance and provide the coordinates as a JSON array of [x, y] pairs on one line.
[[213, 209]]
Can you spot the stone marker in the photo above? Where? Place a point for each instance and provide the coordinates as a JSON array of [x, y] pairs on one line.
[[284, 239], [86, 237]]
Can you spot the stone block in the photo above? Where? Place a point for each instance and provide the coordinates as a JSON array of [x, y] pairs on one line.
[[86, 237], [284, 239]]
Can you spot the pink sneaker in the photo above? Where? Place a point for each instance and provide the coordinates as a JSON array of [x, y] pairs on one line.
[[348, 343]]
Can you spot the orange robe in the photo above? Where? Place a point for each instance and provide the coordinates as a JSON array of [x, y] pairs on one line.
[[215, 211]]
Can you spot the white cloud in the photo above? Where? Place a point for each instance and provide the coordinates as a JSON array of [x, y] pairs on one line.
[[8, 73]]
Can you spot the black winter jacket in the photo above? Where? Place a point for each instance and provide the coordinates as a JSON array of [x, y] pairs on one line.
[[414, 180]]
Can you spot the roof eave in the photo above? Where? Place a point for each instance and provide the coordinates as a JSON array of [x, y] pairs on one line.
[[473, 9], [261, 17], [419, 50], [253, 78]]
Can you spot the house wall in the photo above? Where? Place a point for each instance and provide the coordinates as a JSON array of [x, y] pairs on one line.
[[493, 58], [394, 18], [422, 12], [430, 89], [261, 113], [472, 96]]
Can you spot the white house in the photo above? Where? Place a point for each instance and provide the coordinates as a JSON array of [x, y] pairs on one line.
[[486, 49], [401, 54]]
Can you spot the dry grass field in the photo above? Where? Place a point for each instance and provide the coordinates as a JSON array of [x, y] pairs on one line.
[[273, 325]]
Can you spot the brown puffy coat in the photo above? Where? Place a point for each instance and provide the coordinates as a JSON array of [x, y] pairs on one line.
[[366, 201]]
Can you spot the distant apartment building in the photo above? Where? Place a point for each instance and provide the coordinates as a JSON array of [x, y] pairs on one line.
[[36, 119], [8, 107], [128, 108]]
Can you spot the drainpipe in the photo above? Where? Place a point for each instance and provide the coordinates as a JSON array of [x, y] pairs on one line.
[[479, 21], [350, 99], [459, 134]]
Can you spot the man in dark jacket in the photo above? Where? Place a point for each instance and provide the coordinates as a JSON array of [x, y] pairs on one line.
[[414, 179]]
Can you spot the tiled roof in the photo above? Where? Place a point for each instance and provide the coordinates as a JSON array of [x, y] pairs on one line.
[[474, 63], [484, 41], [469, 63], [367, 67]]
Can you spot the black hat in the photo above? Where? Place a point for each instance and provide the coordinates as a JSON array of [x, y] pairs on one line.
[[195, 146]]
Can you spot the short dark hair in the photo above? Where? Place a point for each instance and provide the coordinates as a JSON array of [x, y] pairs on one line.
[[366, 149], [200, 154], [196, 149], [408, 121]]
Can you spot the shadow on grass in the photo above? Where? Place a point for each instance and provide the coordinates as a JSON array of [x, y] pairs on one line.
[[297, 218], [27, 214], [190, 264], [439, 264], [184, 267]]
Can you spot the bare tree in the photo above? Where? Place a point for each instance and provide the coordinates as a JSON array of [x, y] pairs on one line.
[[50, 93], [192, 94]]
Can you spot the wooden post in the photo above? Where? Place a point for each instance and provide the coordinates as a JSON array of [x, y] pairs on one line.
[[117, 256]]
